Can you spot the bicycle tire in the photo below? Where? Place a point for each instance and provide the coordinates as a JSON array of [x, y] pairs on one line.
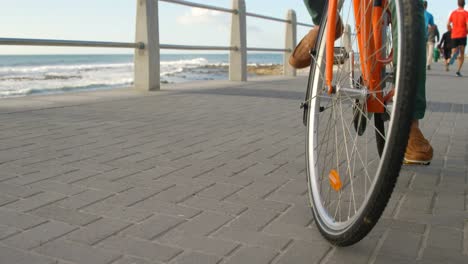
[[390, 147]]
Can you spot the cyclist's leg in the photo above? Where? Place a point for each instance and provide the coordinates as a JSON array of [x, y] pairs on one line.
[[315, 8], [300, 58], [417, 152], [420, 100]]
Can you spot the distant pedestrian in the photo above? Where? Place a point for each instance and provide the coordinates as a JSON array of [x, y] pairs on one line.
[[459, 22], [446, 46], [433, 36], [430, 26]]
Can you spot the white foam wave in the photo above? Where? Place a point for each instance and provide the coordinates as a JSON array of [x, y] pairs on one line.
[[60, 68], [24, 80]]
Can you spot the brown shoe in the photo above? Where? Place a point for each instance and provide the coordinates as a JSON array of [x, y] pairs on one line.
[[300, 57], [419, 151]]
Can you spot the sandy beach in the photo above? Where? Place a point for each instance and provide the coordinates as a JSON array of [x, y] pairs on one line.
[[276, 69]]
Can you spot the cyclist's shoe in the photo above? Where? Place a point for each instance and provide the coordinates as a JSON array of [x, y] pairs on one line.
[[418, 151], [428, 67], [459, 74], [446, 67], [300, 57]]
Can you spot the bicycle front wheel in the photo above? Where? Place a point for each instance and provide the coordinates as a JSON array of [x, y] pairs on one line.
[[353, 155]]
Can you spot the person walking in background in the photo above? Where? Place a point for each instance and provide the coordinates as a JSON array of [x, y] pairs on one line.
[[433, 36], [430, 28], [459, 22], [445, 46]]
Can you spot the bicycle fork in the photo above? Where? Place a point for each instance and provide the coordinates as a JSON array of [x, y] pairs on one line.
[[369, 25]]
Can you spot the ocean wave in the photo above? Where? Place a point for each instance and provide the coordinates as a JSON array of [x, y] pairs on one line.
[[191, 62], [5, 71], [60, 87], [24, 80], [41, 78]]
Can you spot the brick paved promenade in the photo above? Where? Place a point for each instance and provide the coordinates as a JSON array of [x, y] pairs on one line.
[[207, 173]]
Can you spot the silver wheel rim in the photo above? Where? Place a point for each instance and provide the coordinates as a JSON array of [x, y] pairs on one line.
[[331, 221]]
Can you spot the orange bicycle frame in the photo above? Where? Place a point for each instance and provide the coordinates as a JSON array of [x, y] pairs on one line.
[[369, 25]]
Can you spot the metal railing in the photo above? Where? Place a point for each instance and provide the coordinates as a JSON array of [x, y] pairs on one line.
[[147, 46], [70, 43]]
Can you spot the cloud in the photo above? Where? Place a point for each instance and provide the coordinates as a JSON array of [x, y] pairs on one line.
[[199, 16]]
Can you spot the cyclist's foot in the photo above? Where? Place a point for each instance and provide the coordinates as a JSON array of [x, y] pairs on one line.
[[428, 67], [459, 74], [419, 151], [446, 67], [300, 57]]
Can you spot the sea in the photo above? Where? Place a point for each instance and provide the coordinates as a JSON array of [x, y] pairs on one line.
[[22, 75]]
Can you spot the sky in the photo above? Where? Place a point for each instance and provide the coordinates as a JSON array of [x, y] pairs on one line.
[[114, 20]]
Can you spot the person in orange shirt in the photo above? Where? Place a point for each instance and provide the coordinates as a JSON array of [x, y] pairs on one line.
[[458, 21]]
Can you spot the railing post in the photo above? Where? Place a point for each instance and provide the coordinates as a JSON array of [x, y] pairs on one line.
[[147, 60], [290, 42], [238, 57]]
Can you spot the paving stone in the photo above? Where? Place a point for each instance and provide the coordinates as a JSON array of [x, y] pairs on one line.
[[204, 224], [85, 199], [134, 260], [20, 220], [41, 172], [295, 187], [76, 175], [153, 227], [219, 191], [197, 258], [179, 193], [253, 255], [465, 240], [215, 205], [77, 253], [97, 231], [6, 231], [303, 252], [39, 235], [18, 190], [358, 253], [135, 195], [402, 243], [393, 258], [66, 215], [253, 220], [250, 238], [207, 245], [104, 185], [36, 201], [128, 214], [11, 255], [260, 204], [58, 187], [6, 199], [260, 189], [419, 201], [447, 238], [450, 202], [154, 205], [297, 215], [307, 234], [411, 227], [140, 248], [443, 255], [118, 173]]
